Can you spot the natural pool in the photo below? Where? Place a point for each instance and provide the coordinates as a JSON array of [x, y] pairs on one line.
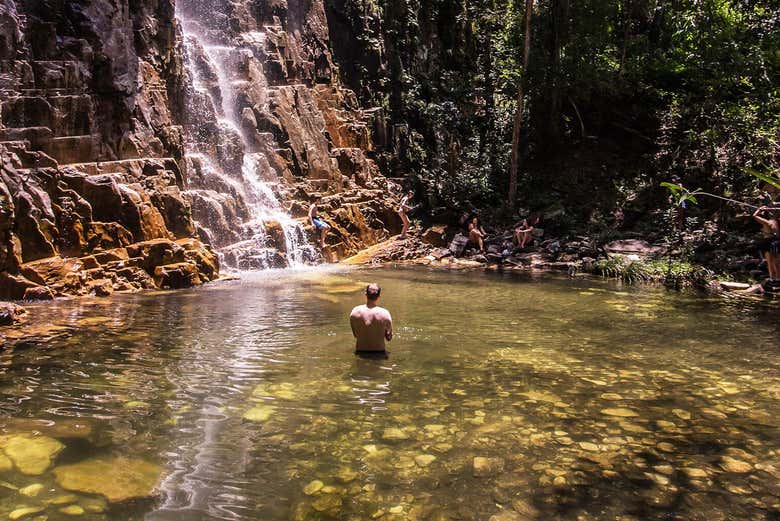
[[509, 396]]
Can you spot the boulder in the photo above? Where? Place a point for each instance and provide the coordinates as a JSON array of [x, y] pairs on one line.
[[116, 478], [436, 236], [10, 313], [486, 467], [175, 276], [31, 455]]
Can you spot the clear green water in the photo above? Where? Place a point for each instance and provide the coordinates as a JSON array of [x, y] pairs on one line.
[[589, 401]]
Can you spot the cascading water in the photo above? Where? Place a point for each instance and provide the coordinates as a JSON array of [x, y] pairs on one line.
[[231, 182]]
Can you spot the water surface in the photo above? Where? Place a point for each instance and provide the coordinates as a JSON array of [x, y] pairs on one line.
[[531, 398]]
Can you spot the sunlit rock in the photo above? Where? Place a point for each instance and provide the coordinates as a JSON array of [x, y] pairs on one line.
[[326, 502], [22, 512], [346, 475], [619, 412], [31, 490], [5, 463], [485, 467], [115, 478], [72, 510], [730, 464], [260, 413], [62, 499], [586, 445], [313, 487], [32, 455], [394, 434], [423, 460]]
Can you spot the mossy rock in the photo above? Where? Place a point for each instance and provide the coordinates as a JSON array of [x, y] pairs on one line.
[[32, 455], [115, 478]]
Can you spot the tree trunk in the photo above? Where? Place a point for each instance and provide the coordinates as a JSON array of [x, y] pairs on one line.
[[518, 119], [627, 10]]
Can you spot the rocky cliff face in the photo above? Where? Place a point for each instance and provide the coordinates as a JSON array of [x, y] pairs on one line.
[[139, 136]]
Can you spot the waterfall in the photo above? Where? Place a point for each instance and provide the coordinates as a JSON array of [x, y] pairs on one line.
[[231, 183]]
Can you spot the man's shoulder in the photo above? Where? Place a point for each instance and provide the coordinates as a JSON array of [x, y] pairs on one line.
[[357, 310], [382, 312]]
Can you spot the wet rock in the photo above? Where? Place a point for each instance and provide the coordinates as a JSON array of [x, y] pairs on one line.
[[507, 515], [730, 464], [423, 460], [10, 313], [72, 510], [327, 503], [259, 414], [486, 467], [394, 434], [23, 512], [32, 455], [619, 412], [31, 490], [313, 487], [115, 478], [5, 463]]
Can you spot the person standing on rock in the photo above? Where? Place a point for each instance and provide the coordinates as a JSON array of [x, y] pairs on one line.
[[769, 247], [404, 207], [371, 325], [321, 226]]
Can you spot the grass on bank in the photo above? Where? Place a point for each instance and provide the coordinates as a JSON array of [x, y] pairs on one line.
[[674, 273]]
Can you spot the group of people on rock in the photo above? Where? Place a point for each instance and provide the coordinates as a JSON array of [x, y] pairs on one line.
[[523, 233]]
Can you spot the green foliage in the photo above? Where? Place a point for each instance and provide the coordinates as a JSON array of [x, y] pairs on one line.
[[681, 195], [619, 94], [676, 274]]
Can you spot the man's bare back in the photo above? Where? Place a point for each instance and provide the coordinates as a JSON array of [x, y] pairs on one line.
[[371, 324]]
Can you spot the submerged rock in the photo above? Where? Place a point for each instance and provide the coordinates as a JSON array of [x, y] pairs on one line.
[[484, 467], [394, 434], [19, 513], [31, 490], [115, 478], [313, 487], [259, 414], [619, 412], [32, 455], [72, 510]]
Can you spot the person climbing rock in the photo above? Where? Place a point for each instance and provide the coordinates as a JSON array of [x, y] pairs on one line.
[[320, 225], [769, 246], [371, 325], [403, 208]]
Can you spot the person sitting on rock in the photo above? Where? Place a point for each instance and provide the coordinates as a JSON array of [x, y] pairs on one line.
[[477, 234], [320, 225], [523, 234], [769, 246], [404, 207]]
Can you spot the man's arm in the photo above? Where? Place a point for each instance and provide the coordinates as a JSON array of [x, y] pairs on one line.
[[352, 321], [311, 217], [389, 328]]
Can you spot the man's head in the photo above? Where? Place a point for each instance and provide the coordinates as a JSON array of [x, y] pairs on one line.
[[372, 292]]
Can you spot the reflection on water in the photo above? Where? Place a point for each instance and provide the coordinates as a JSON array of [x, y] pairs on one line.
[[503, 395]]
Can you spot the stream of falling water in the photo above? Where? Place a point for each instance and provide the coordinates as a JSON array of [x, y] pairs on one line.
[[257, 246], [190, 488]]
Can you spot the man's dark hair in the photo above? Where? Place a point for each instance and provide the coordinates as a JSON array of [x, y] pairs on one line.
[[373, 291]]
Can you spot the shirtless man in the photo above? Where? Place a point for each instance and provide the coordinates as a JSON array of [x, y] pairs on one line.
[[321, 226], [769, 247], [371, 324]]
